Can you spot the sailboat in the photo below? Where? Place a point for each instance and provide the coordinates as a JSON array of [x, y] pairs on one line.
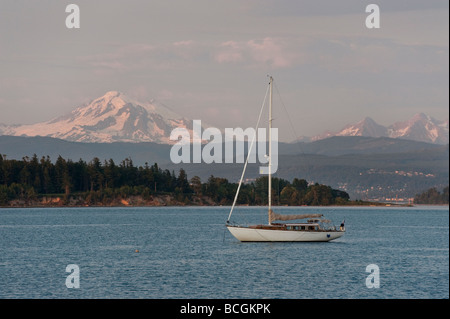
[[315, 228]]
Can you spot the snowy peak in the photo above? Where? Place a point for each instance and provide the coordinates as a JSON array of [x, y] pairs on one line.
[[420, 128], [366, 127], [113, 117], [116, 117]]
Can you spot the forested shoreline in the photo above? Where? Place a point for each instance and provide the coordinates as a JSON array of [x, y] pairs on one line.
[[40, 182], [433, 197]]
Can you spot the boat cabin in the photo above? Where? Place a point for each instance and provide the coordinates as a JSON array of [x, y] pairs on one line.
[[308, 226]]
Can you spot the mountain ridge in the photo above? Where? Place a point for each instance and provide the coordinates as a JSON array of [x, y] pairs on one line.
[[17, 147], [420, 127], [113, 117], [116, 117]]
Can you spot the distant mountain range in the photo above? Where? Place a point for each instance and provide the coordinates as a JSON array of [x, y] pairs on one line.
[[17, 147], [366, 159], [115, 117], [421, 128]]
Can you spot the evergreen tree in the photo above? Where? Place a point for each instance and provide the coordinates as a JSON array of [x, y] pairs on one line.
[[99, 182]]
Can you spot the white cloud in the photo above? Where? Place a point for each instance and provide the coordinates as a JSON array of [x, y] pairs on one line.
[[229, 51], [269, 51], [273, 52]]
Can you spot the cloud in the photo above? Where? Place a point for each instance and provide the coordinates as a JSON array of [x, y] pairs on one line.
[[265, 52], [229, 51], [376, 56], [274, 52], [139, 56], [118, 58], [269, 51], [183, 43]]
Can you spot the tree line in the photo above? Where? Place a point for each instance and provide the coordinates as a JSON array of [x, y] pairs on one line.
[[98, 182], [432, 197]]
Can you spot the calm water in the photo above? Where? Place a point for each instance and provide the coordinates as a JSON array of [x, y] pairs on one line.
[[188, 253]]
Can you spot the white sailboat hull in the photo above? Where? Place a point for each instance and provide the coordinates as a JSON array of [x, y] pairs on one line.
[[247, 234]]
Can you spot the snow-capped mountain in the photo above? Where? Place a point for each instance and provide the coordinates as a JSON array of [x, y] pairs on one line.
[[366, 127], [421, 128], [113, 117]]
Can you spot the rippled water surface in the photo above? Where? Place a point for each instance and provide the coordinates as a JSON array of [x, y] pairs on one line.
[[186, 252]]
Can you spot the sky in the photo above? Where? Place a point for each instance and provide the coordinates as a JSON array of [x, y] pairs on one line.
[[209, 59]]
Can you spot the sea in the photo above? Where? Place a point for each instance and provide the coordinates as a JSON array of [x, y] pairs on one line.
[[187, 253]]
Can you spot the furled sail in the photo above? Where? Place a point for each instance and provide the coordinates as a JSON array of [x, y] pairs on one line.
[[274, 216]]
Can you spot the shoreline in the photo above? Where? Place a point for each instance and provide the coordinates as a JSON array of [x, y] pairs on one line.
[[171, 201]]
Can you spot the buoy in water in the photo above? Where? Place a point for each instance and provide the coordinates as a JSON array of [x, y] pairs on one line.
[[136, 251]]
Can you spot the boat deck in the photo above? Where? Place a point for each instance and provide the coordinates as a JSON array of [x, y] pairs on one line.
[[293, 227]]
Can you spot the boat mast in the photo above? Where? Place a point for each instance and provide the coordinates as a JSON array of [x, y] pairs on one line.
[[270, 150]]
